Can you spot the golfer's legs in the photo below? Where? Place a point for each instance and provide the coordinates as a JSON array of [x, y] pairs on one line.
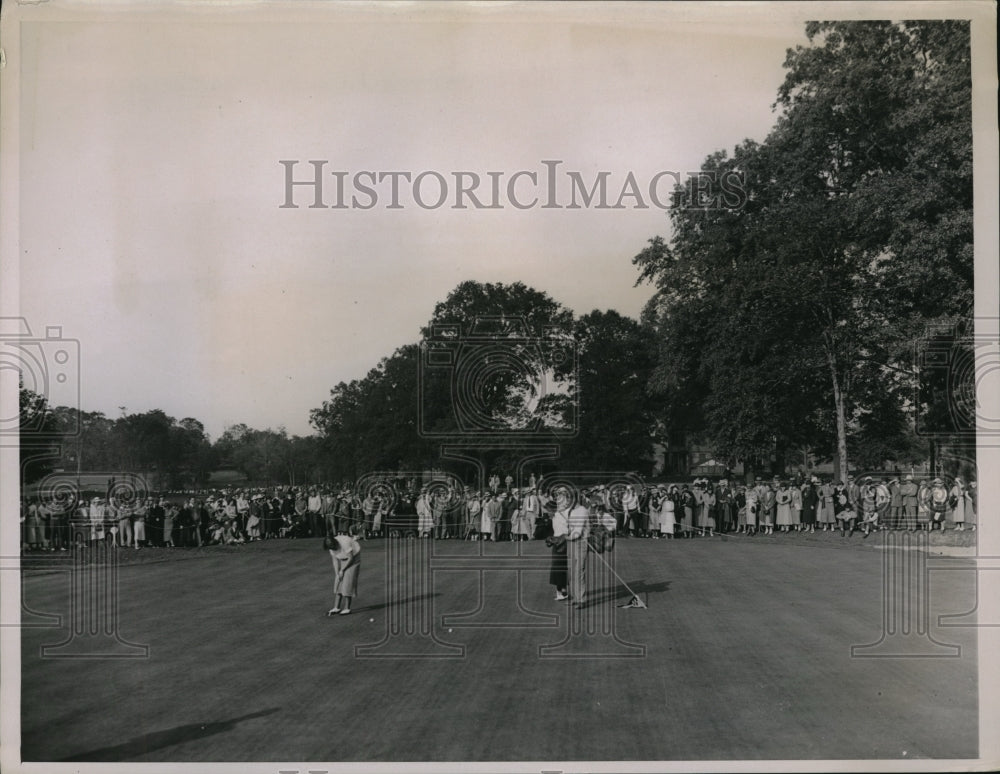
[[577, 554]]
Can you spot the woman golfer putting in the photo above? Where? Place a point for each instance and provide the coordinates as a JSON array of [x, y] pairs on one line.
[[345, 552]]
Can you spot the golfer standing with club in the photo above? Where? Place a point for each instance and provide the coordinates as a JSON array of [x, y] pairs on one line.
[[577, 530], [345, 552], [557, 542]]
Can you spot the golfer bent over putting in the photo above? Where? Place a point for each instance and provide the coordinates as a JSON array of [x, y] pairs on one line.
[[577, 529], [345, 552]]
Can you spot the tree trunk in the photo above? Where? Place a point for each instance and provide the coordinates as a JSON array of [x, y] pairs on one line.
[[840, 462], [780, 460]]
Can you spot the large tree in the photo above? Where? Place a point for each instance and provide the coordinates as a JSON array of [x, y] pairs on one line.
[[493, 367], [853, 232], [618, 418], [490, 356]]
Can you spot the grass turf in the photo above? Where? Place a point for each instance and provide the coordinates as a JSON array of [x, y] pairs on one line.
[[744, 652]]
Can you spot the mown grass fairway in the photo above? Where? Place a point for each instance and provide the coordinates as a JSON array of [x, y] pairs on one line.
[[743, 653]]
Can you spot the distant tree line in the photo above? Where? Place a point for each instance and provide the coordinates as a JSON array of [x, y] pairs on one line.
[[172, 453]]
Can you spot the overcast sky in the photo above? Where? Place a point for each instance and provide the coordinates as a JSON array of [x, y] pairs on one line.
[[151, 228]]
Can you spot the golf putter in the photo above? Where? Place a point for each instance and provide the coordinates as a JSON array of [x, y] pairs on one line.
[[634, 601]]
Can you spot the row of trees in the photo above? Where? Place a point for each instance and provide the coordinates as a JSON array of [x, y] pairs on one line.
[[174, 453], [498, 368]]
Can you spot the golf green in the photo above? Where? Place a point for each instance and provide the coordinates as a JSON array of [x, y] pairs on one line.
[[458, 652]]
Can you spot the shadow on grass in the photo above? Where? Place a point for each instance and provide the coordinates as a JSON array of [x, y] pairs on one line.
[[392, 602], [619, 592], [160, 739]]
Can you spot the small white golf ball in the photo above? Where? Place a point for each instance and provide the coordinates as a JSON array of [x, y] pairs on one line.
[[450, 630], [371, 620]]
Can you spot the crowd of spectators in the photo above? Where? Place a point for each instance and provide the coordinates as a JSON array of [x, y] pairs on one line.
[[500, 511]]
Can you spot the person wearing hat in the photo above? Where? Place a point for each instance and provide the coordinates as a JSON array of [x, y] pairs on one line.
[[34, 528], [795, 507], [768, 506], [254, 519], [577, 530], [667, 511], [631, 522], [956, 504], [883, 501], [531, 507], [96, 518], [170, 513], [706, 511], [425, 519], [302, 525], [869, 509], [724, 505], [559, 569], [314, 509], [826, 512], [894, 517], [783, 510], [739, 508], [971, 503], [924, 505], [853, 489], [139, 521], [809, 498], [654, 499], [844, 509], [199, 516], [752, 508], [439, 513], [492, 510], [287, 513], [242, 511], [472, 510], [908, 499], [342, 512], [185, 519], [455, 513], [938, 503], [688, 504], [518, 520], [874, 502], [508, 505]]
